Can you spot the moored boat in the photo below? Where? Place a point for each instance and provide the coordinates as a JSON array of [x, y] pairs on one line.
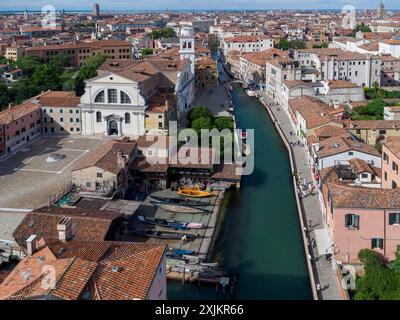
[[179, 208], [150, 233], [170, 223], [194, 193], [184, 201]]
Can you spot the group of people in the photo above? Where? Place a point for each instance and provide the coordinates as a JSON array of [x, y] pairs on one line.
[[305, 188], [295, 143]]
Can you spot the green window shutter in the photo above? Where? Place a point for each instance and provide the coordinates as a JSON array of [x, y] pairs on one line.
[[347, 220], [373, 243], [356, 221], [392, 218], [380, 243]]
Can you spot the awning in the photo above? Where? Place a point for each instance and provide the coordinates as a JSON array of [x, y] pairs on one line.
[[324, 243]]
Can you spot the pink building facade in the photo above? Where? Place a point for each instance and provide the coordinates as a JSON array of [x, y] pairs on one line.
[[362, 218], [391, 163], [20, 125]]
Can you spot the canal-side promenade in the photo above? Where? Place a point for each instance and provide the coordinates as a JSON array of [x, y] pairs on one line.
[[325, 273]]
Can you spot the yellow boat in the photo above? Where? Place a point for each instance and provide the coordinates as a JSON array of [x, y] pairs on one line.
[[194, 193]]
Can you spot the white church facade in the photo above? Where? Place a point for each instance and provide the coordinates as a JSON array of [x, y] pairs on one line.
[[118, 100]]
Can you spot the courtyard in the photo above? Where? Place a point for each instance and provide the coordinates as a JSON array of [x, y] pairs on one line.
[[28, 180]]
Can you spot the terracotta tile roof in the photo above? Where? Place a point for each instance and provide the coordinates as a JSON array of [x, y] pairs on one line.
[[294, 83], [124, 272], [138, 265], [226, 172], [195, 158], [373, 124], [86, 224], [261, 57], [393, 145], [360, 166], [106, 156], [314, 111], [9, 115], [336, 145], [329, 131], [58, 99], [335, 84], [363, 198], [249, 38], [141, 164]]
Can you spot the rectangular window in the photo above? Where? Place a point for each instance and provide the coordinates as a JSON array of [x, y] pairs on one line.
[[88, 184], [394, 185], [395, 167], [352, 221], [99, 175], [381, 132], [112, 96], [376, 243], [351, 153], [394, 218], [385, 157], [364, 175]]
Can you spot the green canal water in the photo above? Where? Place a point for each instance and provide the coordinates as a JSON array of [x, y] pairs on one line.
[[260, 236]]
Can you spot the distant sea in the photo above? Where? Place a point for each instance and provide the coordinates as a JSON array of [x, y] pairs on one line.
[[127, 11]]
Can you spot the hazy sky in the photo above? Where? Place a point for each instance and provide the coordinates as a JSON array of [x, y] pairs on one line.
[[195, 4]]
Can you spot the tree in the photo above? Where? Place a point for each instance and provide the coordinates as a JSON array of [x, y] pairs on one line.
[[89, 70], [145, 52], [28, 64], [222, 123], [163, 33], [360, 27], [378, 282], [199, 111], [201, 123], [4, 96]]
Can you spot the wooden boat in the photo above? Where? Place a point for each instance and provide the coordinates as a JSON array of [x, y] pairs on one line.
[[179, 208], [184, 201], [169, 223], [194, 193], [150, 233], [174, 253]]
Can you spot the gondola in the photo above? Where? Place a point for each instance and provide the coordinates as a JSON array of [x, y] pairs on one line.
[[169, 223], [179, 208], [184, 201], [150, 233]]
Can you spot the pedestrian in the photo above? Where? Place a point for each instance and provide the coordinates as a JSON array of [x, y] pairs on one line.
[[310, 223], [318, 287]]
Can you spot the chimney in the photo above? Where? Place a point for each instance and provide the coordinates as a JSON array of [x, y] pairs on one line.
[[9, 106], [64, 228], [166, 104], [31, 244], [120, 160]]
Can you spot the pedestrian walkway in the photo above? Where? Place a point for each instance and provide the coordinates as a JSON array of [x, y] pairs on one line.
[[326, 278]]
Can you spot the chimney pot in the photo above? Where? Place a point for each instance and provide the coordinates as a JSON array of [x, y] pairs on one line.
[[31, 244], [64, 228]]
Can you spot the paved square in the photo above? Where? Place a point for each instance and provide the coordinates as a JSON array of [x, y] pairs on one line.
[[39, 163], [27, 180]]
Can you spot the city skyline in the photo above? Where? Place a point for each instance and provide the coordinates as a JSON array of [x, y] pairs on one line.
[[196, 5]]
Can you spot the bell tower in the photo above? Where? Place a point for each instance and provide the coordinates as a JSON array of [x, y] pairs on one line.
[[187, 45]]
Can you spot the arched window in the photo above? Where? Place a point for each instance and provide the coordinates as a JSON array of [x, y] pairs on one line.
[[127, 118], [98, 116], [125, 98], [99, 97]]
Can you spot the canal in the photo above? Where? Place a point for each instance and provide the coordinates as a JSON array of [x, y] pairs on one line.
[[260, 237]]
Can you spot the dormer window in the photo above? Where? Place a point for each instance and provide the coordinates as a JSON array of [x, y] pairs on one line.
[[100, 97]]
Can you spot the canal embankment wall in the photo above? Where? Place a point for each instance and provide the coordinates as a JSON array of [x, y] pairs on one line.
[[302, 217]]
